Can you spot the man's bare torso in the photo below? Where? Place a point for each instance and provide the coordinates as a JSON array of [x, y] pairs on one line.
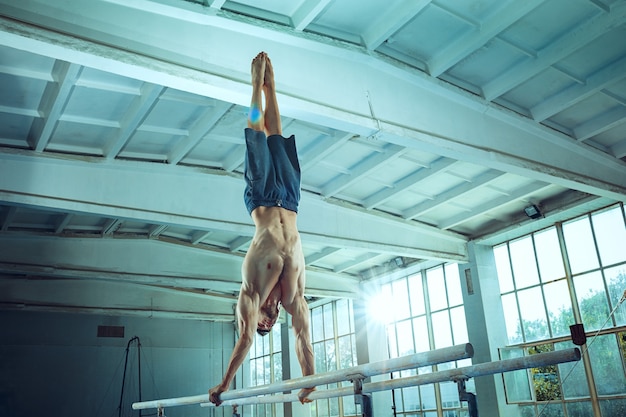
[[275, 261]]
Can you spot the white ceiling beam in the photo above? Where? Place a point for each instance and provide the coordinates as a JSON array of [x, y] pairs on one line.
[[619, 150], [326, 145], [601, 123], [468, 44], [198, 131], [53, 102], [190, 202], [454, 192], [111, 298], [134, 116], [578, 92], [318, 256], [407, 182], [392, 20], [493, 204], [409, 104], [64, 220], [362, 169], [352, 263], [8, 218], [307, 12], [556, 51], [239, 243], [143, 261]]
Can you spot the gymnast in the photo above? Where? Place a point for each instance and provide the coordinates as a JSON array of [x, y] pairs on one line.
[[273, 269]]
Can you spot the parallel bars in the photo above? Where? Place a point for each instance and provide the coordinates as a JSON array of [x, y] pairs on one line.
[[457, 374], [251, 395], [416, 360]]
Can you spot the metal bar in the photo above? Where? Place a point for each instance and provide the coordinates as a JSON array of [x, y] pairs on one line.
[[487, 368], [416, 360], [481, 369]]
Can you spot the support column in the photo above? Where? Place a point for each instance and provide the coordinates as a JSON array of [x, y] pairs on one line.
[[485, 326]]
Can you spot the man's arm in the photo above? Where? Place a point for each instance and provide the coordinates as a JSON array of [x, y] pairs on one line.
[[304, 350], [247, 312]]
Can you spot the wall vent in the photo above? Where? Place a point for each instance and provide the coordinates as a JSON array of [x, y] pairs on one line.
[[111, 331]]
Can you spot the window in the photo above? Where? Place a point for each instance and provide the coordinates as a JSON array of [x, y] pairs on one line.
[[266, 366], [548, 278], [334, 347], [427, 314]]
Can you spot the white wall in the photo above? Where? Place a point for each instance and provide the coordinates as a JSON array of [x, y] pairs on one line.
[[54, 363]]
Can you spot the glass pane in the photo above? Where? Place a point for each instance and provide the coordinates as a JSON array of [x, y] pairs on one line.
[[345, 352], [411, 398], [511, 317], [267, 370], [441, 329], [328, 321], [351, 315], [576, 385], [436, 289], [317, 324], [579, 409], [613, 408], [453, 284], [581, 250], [349, 408], [320, 357], [459, 325], [400, 299], [391, 339], [549, 255], [265, 340], [592, 300], [551, 409], [523, 261], [260, 374], [516, 383], [276, 338], [545, 378], [503, 267], [277, 358], [527, 411], [610, 235], [533, 314], [420, 332], [616, 282], [449, 394], [405, 338], [322, 408], [416, 295], [334, 407], [607, 365], [253, 373], [559, 307], [331, 355], [343, 317], [428, 397]]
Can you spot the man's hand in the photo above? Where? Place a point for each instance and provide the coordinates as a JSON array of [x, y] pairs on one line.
[[214, 394], [304, 393]]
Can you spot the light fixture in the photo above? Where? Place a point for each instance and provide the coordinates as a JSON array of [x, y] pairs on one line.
[[533, 212], [399, 261]]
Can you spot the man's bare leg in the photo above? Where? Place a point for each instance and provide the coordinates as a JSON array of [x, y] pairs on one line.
[[256, 119], [272, 115]]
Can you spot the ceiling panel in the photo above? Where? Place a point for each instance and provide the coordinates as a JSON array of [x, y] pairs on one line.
[[420, 126]]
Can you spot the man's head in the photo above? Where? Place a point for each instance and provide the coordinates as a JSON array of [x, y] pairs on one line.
[[268, 314]]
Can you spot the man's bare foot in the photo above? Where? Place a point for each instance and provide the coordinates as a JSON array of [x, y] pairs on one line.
[[258, 70], [268, 81]]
